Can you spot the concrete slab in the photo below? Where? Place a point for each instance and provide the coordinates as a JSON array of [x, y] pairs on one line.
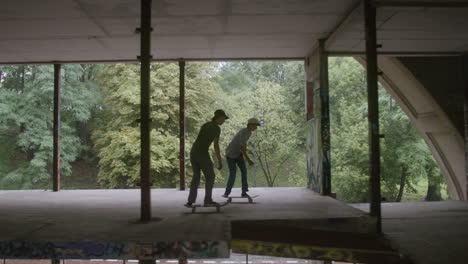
[[114, 22], [108, 219], [427, 232]]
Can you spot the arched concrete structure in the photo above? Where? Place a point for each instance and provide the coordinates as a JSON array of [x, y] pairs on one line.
[[430, 91]]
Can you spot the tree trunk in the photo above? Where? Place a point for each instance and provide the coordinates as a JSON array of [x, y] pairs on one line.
[[433, 187], [404, 173]]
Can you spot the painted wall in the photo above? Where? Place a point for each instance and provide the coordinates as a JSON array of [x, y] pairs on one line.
[[313, 131], [318, 122], [111, 250]]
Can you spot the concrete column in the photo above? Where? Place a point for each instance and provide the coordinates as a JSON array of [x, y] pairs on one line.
[[318, 121]]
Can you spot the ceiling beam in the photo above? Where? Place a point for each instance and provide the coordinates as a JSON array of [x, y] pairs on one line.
[[394, 53], [429, 4], [351, 13], [154, 60]]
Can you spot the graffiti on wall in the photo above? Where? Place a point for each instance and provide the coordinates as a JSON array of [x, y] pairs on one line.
[[318, 126], [181, 249], [314, 142], [314, 156], [112, 250], [313, 252]]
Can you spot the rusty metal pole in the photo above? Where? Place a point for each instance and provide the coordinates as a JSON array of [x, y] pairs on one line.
[[56, 154], [182, 123], [325, 119], [373, 110], [145, 159], [147, 261], [465, 82]]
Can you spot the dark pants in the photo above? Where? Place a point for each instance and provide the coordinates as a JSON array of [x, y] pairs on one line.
[[239, 161], [199, 164]]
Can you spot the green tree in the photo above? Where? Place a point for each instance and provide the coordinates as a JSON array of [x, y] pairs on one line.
[[26, 121], [405, 158], [117, 138], [273, 92]]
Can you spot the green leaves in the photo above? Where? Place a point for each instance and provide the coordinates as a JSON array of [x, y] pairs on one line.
[[405, 158], [272, 92], [117, 135], [26, 121]]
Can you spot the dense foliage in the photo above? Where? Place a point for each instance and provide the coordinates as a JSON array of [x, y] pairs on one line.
[[100, 126], [26, 121], [406, 160]]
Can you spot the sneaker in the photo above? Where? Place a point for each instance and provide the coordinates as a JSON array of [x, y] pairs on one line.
[[188, 204], [245, 195], [211, 203], [225, 195]]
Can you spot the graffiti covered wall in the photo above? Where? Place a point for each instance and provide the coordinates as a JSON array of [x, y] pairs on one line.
[[114, 250], [318, 122], [315, 252], [314, 155]]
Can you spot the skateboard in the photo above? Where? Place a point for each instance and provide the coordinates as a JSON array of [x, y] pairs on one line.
[[242, 197], [218, 207]]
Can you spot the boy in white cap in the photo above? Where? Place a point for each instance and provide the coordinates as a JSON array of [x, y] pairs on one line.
[[235, 154]]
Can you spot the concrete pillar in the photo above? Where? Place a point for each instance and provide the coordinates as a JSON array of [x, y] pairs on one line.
[[318, 121]]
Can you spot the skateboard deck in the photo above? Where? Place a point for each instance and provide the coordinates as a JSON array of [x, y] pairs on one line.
[[218, 207], [250, 198]]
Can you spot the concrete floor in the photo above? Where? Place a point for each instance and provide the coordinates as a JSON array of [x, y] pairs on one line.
[[433, 232], [427, 232], [112, 215]]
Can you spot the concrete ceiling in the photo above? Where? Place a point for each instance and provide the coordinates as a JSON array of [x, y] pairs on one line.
[[404, 30], [104, 30]]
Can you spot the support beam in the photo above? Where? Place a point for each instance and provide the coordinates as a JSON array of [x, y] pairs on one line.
[[212, 59], [55, 261], [465, 82], [182, 124], [56, 154], [340, 27], [394, 54], [428, 4], [325, 118], [145, 162], [318, 121], [373, 110], [147, 261]]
